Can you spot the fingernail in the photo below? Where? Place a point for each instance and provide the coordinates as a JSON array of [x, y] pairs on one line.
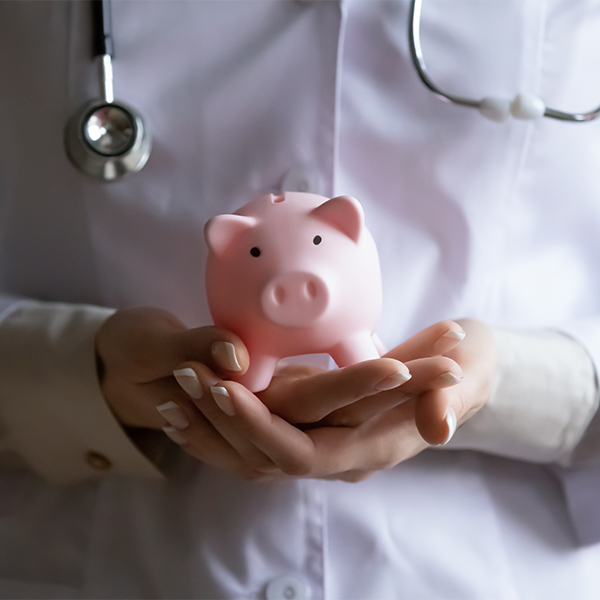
[[175, 435], [188, 380], [448, 340], [393, 381], [455, 335], [451, 422], [222, 399], [224, 355], [449, 379], [174, 414]]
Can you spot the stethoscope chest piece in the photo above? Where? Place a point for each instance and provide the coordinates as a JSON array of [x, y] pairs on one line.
[[107, 140], [104, 138]]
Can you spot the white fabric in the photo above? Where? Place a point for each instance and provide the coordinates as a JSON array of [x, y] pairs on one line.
[[50, 401], [497, 222], [543, 401]]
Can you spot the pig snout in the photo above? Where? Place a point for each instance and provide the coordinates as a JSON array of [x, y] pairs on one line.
[[295, 299]]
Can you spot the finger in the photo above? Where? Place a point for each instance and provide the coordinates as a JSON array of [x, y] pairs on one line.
[[309, 399], [136, 404], [144, 344], [185, 425], [175, 413], [352, 476], [220, 350], [212, 400], [201, 441], [432, 373], [436, 417], [436, 339], [377, 444], [289, 449], [427, 374]]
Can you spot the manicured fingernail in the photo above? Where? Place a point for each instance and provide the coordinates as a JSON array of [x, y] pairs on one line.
[[453, 334], [173, 414], [175, 435], [449, 379], [451, 422], [448, 340], [222, 399], [224, 355], [393, 381], [188, 380]]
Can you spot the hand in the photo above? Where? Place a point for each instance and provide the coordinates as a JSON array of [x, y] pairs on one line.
[[361, 429], [439, 412], [136, 352]]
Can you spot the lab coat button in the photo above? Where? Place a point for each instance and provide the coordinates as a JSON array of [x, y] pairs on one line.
[[301, 179], [289, 587], [97, 462]]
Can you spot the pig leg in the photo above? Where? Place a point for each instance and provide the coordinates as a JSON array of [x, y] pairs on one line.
[[259, 374], [354, 349]]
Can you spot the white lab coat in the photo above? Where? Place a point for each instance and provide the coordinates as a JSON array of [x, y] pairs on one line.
[[472, 218]]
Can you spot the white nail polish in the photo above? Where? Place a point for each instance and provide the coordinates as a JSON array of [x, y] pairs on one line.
[[447, 341], [222, 399], [449, 379], [173, 414], [188, 380], [392, 381], [451, 422], [455, 335], [175, 435], [225, 356]]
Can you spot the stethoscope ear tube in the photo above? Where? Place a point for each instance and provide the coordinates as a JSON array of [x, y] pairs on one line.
[[102, 40], [104, 138]]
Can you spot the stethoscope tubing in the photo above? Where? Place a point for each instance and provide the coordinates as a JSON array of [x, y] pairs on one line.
[[103, 45], [416, 52]]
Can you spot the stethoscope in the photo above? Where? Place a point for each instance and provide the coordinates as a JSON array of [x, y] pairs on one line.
[[106, 139], [522, 106]]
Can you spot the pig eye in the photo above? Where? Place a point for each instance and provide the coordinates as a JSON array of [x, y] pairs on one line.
[[317, 240], [255, 251]]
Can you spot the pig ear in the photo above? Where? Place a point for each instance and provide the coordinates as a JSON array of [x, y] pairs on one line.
[[222, 230], [344, 213]]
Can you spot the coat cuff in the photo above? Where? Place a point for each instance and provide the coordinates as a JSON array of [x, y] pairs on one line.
[[543, 401], [51, 405]]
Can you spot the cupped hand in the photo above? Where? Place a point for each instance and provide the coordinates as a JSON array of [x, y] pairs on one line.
[[347, 423], [438, 412]]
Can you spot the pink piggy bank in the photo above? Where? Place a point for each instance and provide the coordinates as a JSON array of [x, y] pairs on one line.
[[295, 274]]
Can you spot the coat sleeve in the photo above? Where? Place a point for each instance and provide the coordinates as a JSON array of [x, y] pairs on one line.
[[52, 412]]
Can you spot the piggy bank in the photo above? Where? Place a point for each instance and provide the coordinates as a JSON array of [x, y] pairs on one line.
[[295, 274]]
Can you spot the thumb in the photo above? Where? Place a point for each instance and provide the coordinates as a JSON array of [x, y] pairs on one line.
[[436, 416], [220, 350]]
